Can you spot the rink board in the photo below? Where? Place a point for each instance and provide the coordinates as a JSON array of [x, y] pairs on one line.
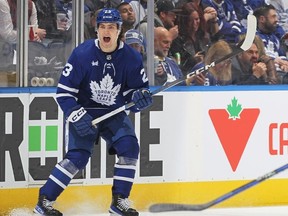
[[96, 199], [185, 154]]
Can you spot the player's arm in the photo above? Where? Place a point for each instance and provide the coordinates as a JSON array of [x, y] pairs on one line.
[[140, 94], [67, 96]]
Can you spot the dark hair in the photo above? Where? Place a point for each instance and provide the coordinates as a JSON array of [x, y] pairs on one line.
[[263, 10], [184, 18], [120, 5]]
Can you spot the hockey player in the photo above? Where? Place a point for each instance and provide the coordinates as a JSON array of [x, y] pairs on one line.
[[100, 76]]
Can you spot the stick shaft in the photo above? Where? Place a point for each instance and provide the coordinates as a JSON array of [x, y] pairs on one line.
[[163, 207]]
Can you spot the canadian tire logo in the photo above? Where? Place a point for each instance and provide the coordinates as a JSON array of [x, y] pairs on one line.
[[233, 127]]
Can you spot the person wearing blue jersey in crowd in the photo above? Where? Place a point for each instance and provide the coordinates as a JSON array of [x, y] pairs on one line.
[[101, 75], [229, 26], [268, 31], [65, 6], [244, 7]]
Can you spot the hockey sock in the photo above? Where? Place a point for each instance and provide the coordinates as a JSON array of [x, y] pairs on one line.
[[59, 178], [124, 174]]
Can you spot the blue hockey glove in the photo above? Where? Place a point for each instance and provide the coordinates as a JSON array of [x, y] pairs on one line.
[[82, 122], [142, 98]]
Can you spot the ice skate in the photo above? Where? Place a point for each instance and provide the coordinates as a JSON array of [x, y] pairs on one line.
[[121, 206], [44, 207]]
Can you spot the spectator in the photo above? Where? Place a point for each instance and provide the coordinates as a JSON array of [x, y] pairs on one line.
[[208, 13], [267, 23], [221, 73], [65, 6], [140, 10], [165, 16], [248, 70], [167, 69], [229, 26], [89, 23], [127, 15], [47, 19], [282, 10], [272, 76], [135, 39], [244, 7], [193, 38], [8, 20], [46, 14]]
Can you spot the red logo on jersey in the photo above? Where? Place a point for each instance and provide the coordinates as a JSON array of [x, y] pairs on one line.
[[233, 127]]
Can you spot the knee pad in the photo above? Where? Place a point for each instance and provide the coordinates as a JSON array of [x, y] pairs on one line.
[[127, 147], [79, 158], [127, 161], [68, 166]]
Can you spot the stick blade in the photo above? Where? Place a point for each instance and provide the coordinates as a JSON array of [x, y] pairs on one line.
[[166, 207], [251, 32]]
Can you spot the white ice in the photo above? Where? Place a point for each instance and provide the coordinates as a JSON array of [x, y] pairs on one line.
[[253, 211]]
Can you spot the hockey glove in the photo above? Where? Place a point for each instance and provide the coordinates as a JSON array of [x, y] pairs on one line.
[[82, 122], [142, 98]]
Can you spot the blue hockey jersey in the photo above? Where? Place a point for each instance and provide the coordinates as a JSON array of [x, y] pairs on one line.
[[98, 81], [229, 25], [272, 43], [245, 7]]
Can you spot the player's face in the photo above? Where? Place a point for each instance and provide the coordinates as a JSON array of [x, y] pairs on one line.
[[108, 34]]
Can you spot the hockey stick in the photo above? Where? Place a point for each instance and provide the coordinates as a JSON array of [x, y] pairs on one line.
[[164, 207], [250, 35]]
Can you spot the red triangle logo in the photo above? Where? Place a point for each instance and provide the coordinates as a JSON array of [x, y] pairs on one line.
[[234, 133]]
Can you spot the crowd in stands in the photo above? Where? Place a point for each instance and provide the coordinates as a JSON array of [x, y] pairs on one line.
[[188, 35]]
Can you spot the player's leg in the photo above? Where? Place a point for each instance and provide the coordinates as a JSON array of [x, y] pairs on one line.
[[121, 140], [79, 151], [127, 149], [59, 179]]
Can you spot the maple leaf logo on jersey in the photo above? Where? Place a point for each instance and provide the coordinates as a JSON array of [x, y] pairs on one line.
[[104, 93], [233, 127]]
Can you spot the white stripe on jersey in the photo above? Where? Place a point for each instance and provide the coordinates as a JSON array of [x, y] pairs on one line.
[[65, 95], [127, 92], [67, 88]]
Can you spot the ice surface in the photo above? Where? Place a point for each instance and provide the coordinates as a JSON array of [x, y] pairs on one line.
[[253, 211]]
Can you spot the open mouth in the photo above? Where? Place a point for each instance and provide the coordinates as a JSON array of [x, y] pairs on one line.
[[106, 39]]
